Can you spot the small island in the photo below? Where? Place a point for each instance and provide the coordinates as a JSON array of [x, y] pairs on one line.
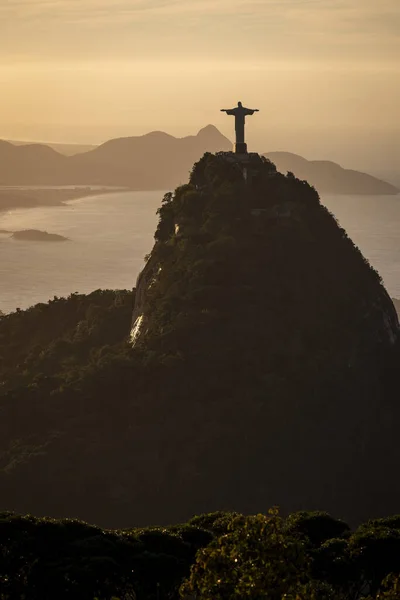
[[34, 235]]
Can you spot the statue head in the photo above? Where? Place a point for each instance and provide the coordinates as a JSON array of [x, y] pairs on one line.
[[240, 104]]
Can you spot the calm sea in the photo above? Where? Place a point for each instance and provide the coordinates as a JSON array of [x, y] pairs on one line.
[[110, 235]]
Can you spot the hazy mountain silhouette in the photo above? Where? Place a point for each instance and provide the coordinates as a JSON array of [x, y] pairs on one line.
[[31, 164], [67, 149], [156, 160], [329, 177]]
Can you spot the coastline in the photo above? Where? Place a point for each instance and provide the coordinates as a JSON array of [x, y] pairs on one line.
[[15, 197], [12, 198]]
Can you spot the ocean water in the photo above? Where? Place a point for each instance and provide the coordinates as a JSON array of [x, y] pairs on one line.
[[110, 235]]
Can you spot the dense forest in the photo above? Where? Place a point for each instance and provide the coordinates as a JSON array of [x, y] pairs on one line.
[[262, 370], [61, 341], [220, 555]]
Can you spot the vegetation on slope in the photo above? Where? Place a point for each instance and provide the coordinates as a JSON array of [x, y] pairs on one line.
[[292, 254], [263, 372], [308, 556], [63, 338]]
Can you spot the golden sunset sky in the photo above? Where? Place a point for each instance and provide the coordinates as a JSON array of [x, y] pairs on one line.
[[325, 74]]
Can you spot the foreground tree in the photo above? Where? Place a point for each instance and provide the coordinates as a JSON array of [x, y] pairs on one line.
[[255, 559], [390, 589]]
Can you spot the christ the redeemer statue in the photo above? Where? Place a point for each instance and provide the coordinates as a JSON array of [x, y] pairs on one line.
[[240, 113]]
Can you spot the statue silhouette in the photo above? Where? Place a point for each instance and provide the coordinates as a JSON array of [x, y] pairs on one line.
[[240, 113]]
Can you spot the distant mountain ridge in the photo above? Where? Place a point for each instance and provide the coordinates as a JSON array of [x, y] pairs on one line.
[[66, 149], [329, 177], [158, 160]]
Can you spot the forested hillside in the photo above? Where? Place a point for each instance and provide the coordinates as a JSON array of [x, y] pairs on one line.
[[61, 339], [262, 372], [308, 556]]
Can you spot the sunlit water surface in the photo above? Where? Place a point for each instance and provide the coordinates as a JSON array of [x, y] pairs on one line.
[[110, 235]]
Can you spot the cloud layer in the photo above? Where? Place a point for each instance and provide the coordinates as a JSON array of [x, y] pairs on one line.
[[333, 15]]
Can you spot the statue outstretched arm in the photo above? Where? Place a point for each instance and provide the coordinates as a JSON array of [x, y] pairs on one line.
[[251, 111], [229, 111]]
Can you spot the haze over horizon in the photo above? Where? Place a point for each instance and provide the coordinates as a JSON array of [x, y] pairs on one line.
[[324, 73]]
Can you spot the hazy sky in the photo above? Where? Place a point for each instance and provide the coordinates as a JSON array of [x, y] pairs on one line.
[[325, 74]]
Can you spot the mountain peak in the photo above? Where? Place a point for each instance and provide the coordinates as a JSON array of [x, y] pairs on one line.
[[158, 134], [209, 129], [211, 133]]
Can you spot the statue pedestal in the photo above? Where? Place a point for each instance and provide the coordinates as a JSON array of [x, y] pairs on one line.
[[250, 163], [241, 148]]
